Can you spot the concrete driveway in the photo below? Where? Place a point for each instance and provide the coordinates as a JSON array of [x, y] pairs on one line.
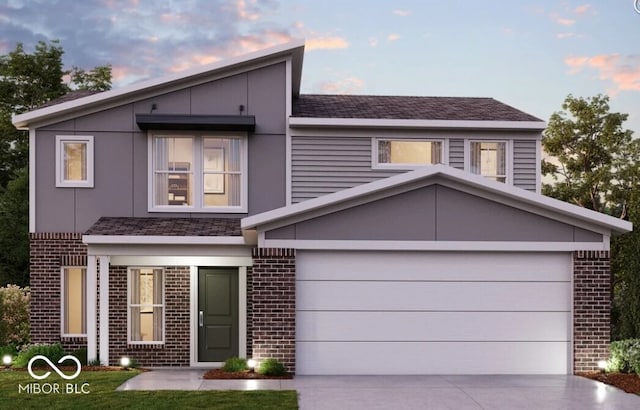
[[412, 392]]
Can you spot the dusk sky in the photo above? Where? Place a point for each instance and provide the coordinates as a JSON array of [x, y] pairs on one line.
[[526, 53]]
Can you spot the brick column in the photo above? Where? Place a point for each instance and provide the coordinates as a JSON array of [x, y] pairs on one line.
[[274, 305], [591, 309]]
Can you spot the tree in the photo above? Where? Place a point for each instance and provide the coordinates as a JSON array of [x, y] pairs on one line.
[[598, 159], [27, 81], [599, 168]]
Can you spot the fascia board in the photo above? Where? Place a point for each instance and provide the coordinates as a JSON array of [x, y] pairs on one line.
[[465, 178], [302, 122]]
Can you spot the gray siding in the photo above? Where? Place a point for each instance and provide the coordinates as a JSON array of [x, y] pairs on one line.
[[322, 166], [456, 153], [524, 164], [325, 164], [120, 151], [434, 213]]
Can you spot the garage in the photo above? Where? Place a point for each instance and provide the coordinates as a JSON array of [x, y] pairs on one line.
[[437, 272], [384, 312]]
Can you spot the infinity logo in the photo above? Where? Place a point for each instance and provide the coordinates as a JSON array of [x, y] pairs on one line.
[[53, 366]]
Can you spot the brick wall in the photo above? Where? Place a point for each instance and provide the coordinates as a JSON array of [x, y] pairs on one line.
[[48, 252], [592, 309], [274, 305], [176, 347]]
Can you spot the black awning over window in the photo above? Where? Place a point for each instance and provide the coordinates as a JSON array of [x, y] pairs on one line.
[[196, 122]]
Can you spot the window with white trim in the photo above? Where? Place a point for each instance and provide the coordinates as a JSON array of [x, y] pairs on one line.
[[407, 153], [489, 159], [204, 173], [146, 306], [74, 161], [74, 301]]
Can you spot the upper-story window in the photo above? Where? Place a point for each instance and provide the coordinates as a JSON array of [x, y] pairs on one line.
[[407, 153], [203, 173], [489, 159], [74, 161]]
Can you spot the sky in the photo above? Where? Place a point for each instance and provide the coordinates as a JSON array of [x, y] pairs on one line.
[[527, 53]]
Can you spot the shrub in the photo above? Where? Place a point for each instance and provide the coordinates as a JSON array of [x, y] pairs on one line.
[[8, 349], [625, 356], [53, 352], [80, 354], [235, 364], [14, 315], [272, 367]]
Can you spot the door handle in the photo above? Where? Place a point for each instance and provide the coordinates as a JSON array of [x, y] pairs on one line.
[[201, 318]]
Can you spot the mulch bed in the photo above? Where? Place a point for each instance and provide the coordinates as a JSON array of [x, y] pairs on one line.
[[630, 383], [218, 374]]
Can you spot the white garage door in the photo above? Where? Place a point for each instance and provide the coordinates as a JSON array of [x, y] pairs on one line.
[[432, 313]]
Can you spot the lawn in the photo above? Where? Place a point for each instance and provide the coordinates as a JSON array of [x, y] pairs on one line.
[[102, 394]]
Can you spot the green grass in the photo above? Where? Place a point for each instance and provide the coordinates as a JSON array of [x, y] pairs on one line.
[[102, 394]]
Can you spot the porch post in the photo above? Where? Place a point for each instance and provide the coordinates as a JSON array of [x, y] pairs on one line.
[[104, 309], [92, 317]]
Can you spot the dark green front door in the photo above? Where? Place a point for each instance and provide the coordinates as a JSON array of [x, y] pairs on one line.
[[217, 314]]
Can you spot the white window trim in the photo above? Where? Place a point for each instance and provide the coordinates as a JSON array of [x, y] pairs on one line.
[[60, 181], [198, 193], [62, 295], [164, 307], [374, 153], [508, 153]]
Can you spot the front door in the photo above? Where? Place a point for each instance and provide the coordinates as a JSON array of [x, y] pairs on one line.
[[217, 314]]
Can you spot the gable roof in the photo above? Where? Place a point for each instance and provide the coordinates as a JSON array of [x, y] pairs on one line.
[[145, 89], [406, 108], [507, 194]]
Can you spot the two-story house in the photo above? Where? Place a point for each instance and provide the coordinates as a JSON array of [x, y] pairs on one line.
[[218, 212]]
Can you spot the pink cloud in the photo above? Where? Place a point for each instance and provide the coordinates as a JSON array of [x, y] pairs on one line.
[[622, 71], [326, 43], [401, 13], [582, 9], [349, 85], [243, 11], [393, 37]]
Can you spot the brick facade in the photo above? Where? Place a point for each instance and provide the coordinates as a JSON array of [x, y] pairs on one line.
[[176, 348], [274, 305], [591, 309], [48, 253]]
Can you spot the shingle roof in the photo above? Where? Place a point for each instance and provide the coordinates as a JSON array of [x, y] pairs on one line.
[[406, 107], [70, 96], [166, 227]]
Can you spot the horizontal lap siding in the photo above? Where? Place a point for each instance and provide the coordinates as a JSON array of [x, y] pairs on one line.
[[321, 166], [456, 153], [524, 164]]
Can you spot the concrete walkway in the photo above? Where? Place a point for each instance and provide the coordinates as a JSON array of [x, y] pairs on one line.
[[412, 392]]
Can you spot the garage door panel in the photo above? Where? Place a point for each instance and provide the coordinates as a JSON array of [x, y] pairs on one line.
[[433, 312], [431, 358], [433, 296], [469, 266], [432, 326]]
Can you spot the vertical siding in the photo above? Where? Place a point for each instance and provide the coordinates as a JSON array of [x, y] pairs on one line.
[[322, 166], [456, 153], [524, 164]]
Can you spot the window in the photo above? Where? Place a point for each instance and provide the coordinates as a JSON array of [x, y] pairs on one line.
[[74, 302], [74, 161], [204, 173], [489, 159], [146, 305], [407, 153]]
